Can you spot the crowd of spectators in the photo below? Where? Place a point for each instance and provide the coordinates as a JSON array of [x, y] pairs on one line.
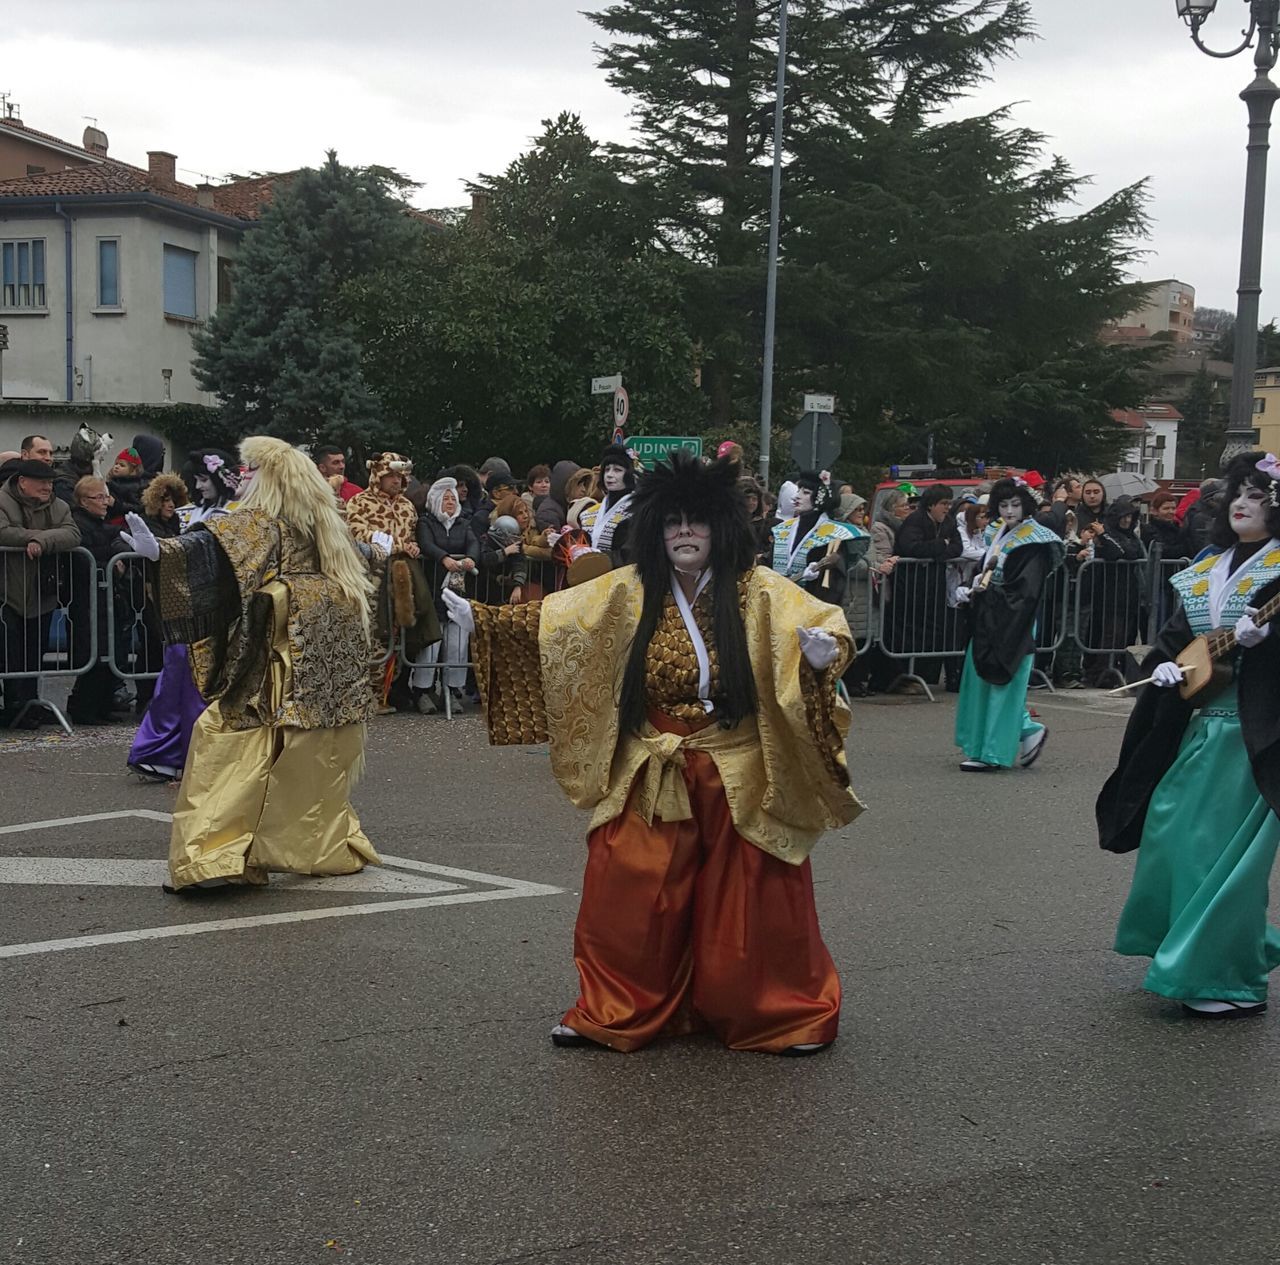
[[493, 536]]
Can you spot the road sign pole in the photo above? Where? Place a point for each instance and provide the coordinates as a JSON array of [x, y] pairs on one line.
[[771, 288]]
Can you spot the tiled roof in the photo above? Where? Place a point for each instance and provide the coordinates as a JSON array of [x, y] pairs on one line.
[[241, 199], [21, 129], [1139, 419]]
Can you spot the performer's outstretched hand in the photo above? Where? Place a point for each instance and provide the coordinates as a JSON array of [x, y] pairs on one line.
[[459, 610], [1247, 632], [139, 537], [819, 648], [1167, 675]]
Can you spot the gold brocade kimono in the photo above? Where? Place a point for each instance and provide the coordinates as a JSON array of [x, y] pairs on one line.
[[284, 663], [552, 671]]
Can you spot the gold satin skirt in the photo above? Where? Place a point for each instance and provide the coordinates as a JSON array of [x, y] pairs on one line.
[[686, 925], [257, 800]]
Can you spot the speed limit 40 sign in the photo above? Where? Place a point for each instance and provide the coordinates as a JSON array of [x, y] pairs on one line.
[[621, 407]]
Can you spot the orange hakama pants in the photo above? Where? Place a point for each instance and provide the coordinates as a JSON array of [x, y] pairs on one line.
[[686, 925]]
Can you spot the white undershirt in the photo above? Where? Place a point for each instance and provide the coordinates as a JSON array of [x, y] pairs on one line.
[[685, 607], [1220, 580]]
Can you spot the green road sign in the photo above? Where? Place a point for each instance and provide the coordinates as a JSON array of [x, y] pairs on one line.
[[652, 448]]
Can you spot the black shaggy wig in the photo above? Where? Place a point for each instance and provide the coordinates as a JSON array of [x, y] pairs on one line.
[[706, 494], [1012, 490], [1243, 469]]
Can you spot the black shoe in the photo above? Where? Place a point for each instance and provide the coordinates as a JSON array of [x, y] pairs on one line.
[[567, 1039], [805, 1051], [1238, 1010]]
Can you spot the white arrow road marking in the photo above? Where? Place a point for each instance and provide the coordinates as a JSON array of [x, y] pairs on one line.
[[389, 879]]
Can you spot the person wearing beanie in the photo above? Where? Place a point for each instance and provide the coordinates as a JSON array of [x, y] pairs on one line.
[[690, 701], [1196, 789], [606, 521], [125, 483], [813, 549]]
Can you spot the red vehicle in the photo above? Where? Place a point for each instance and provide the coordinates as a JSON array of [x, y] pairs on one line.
[[921, 477]]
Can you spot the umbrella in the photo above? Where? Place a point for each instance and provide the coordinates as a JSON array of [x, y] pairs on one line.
[[1125, 483]]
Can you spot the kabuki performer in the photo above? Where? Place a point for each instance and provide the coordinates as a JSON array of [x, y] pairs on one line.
[[993, 727], [812, 549], [606, 522], [1197, 787], [690, 702], [273, 603]]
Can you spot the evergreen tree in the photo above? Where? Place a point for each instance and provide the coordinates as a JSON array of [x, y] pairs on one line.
[[485, 340], [930, 274], [1203, 425], [282, 355]]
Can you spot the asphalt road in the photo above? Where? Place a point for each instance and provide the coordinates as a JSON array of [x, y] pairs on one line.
[[380, 1087]]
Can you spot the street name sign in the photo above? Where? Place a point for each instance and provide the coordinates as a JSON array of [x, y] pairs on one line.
[[819, 403], [606, 386]]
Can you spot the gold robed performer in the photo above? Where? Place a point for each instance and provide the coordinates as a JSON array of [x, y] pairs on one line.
[[274, 603], [690, 703]]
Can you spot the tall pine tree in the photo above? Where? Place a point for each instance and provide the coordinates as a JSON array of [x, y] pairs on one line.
[[934, 273], [283, 355]]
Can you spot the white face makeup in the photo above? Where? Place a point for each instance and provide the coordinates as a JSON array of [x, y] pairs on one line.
[[204, 485], [804, 500], [1011, 510], [247, 476], [615, 478], [688, 544], [1248, 513]]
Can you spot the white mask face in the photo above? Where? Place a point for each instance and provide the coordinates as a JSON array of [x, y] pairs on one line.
[[1011, 511], [1248, 512], [804, 501], [615, 478], [688, 544]]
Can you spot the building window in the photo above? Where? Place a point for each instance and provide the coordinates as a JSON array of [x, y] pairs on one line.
[[108, 272], [22, 273], [180, 282], [225, 269], [1259, 406]]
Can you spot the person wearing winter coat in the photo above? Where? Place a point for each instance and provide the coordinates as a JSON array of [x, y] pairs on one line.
[[39, 525], [93, 691], [570, 482], [1113, 588], [450, 556]]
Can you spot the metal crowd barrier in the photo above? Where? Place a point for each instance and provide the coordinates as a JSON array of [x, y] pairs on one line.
[[60, 639], [916, 621], [1111, 610]]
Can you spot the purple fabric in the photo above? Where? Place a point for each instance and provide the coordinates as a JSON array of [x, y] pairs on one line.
[[175, 707]]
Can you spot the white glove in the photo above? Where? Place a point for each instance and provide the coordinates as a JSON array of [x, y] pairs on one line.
[[1247, 632], [459, 610], [383, 540], [1166, 676], [963, 593], [819, 648], [139, 537], [809, 573]]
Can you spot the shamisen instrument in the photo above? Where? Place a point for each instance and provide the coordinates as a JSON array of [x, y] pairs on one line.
[[1203, 673]]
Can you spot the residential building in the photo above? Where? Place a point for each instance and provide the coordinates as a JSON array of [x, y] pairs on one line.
[[1266, 408], [1168, 313], [106, 269], [1154, 450]]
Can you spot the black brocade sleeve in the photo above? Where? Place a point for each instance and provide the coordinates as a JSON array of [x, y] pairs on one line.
[[1003, 614]]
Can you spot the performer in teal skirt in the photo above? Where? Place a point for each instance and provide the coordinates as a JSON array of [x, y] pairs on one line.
[[1197, 788], [993, 727]]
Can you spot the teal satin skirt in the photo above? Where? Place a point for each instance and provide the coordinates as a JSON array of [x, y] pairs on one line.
[[992, 720], [1198, 905]]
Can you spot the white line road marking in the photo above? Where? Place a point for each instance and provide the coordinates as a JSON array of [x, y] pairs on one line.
[[370, 880], [85, 872]]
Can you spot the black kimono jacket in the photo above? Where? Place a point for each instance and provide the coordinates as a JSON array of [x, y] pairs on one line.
[[1003, 615], [1159, 720]]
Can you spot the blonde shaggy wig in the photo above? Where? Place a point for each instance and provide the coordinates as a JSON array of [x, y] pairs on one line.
[[289, 486]]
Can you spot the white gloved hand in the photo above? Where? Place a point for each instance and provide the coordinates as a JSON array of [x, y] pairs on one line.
[[1166, 676], [809, 573], [139, 537], [819, 648], [1247, 632], [963, 593], [459, 610], [383, 540]]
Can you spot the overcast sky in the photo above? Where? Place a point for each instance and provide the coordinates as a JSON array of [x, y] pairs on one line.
[[444, 91]]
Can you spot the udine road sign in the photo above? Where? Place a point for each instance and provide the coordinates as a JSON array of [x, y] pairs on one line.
[[652, 448]]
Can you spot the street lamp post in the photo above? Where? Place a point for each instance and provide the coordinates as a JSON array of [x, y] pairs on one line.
[[1263, 35], [771, 286]]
